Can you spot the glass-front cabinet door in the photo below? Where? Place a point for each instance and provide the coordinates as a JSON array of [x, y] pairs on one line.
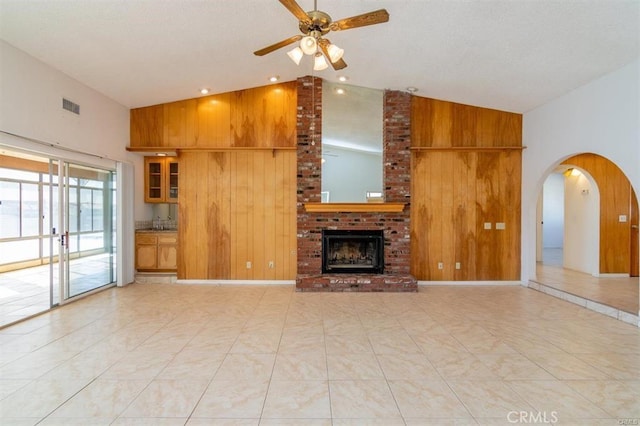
[[172, 180], [154, 180], [161, 180]]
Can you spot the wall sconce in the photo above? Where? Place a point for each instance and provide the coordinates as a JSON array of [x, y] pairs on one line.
[[572, 172]]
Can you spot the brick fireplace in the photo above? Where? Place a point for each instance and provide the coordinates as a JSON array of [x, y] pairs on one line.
[[393, 224], [347, 251]]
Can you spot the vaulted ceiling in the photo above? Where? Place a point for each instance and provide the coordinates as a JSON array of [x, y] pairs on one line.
[[512, 55]]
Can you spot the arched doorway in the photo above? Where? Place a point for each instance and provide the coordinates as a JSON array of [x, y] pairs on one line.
[[569, 218], [599, 253]]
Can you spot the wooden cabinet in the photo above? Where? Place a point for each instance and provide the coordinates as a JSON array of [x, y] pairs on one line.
[[167, 251], [156, 251], [146, 251], [161, 179]]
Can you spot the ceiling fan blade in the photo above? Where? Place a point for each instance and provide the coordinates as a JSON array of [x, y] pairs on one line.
[[371, 18], [339, 64], [277, 45], [297, 11], [324, 46]]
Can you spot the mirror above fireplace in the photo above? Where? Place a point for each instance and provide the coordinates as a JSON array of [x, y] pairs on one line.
[[352, 122]]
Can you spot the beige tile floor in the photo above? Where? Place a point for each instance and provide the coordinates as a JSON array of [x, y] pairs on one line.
[[25, 292], [168, 354], [618, 292]]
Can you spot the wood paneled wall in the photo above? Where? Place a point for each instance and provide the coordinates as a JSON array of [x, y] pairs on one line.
[[634, 250], [616, 196], [237, 198], [258, 117], [465, 173], [237, 207], [238, 201], [443, 124]]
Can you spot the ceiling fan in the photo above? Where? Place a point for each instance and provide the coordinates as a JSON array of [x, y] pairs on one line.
[[314, 25]]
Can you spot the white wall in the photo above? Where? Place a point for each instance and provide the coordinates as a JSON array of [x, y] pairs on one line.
[[601, 117], [31, 95], [553, 211], [582, 224]]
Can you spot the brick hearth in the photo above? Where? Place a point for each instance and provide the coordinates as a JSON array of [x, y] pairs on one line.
[[395, 225], [357, 282]]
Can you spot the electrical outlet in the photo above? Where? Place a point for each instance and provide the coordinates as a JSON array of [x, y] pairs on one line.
[[440, 265], [248, 265], [271, 265], [487, 225], [457, 265], [500, 225]]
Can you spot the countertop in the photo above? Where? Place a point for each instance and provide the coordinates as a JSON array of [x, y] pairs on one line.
[[157, 230]]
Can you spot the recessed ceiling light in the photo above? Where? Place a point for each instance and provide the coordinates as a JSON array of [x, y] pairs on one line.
[[204, 91], [343, 78], [274, 78], [340, 91], [412, 89]]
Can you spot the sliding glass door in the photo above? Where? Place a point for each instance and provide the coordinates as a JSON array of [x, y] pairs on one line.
[[82, 206], [57, 231]]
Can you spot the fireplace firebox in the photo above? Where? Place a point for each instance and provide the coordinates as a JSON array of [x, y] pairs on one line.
[[352, 251]]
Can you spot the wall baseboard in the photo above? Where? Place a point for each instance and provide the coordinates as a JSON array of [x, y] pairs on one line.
[[469, 283], [598, 275], [237, 282]]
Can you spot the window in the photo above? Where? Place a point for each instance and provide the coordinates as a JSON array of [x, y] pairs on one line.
[[25, 213]]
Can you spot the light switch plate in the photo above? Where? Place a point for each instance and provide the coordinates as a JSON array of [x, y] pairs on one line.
[[500, 225], [487, 225], [622, 218]]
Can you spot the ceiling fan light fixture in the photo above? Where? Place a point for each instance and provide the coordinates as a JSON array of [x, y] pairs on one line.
[[314, 26], [319, 63], [309, 45], [296, 55], [335, 53]]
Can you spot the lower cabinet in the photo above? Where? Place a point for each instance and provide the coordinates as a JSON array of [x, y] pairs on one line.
[[156, 251]]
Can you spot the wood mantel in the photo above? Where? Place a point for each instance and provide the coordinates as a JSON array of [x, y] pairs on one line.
[[354, 207]]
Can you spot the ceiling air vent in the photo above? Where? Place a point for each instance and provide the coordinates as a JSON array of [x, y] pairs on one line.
[[70, 106]]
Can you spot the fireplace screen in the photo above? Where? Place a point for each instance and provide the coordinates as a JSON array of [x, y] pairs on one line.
[[347, 252]]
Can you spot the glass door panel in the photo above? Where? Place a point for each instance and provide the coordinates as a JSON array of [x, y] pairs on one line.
[[58, 236], [91, 253], [86, 225]]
